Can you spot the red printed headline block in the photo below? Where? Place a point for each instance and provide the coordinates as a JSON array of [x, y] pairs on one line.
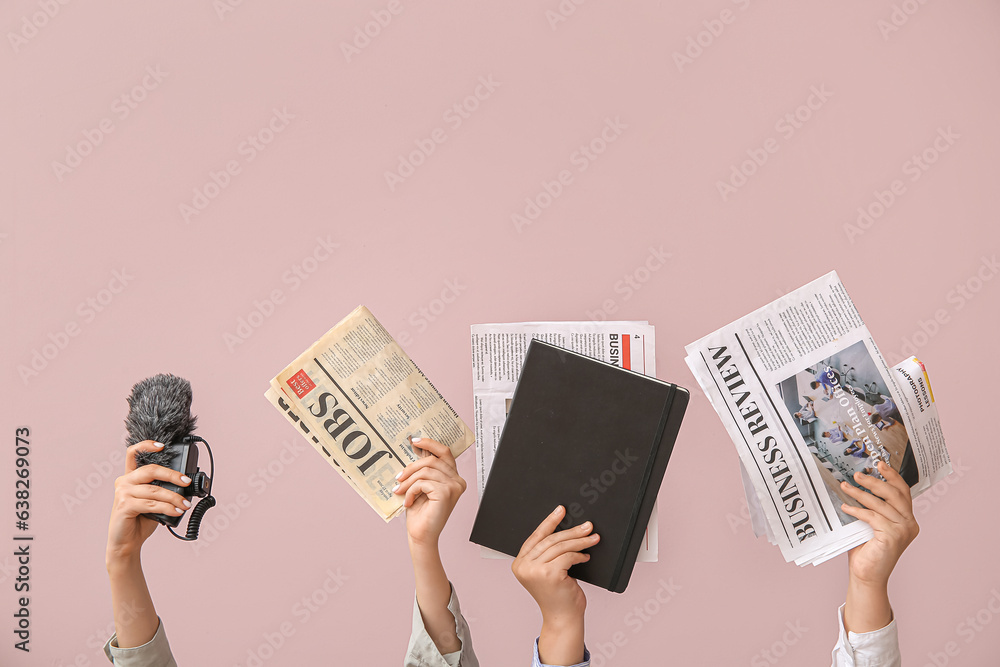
[[301, 384]]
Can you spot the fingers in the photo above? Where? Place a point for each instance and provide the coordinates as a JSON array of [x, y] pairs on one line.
[[144, 446], [576, 532], [427, 462], [568, 560], [132, 506], [545, 528], [428, 474], [149, 473], [575, 545], [436, 448], [152, 492], [896, 481], [873, 519], [871, 501], [898, 499], [419, 486]]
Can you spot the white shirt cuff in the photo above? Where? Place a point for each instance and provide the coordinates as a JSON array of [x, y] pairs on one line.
[[537, 662], [879, 648]]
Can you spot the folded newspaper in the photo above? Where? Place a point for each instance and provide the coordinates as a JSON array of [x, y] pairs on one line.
[[498, 352], [357, 398], [808, 400]]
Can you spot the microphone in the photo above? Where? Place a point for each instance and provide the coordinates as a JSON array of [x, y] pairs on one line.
[[160, 410]]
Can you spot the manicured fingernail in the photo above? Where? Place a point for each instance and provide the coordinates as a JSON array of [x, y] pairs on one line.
[[556, 510], [595, 537], [394, 488], [187, 503], [585, 525], [179, 510], [185, 479], [399, 474], [412, 439], [158, 445]]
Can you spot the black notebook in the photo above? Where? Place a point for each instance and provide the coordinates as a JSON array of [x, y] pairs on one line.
[[587, 435]]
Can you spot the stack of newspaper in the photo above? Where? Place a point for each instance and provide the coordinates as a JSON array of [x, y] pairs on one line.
[[808, 400], [498, 352], [357, 398]]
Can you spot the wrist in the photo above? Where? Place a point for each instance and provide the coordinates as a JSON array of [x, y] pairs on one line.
[[423, 548], [868, 608], [875, 585], [561, 639], [560, 623], [871, 583], [121, 558]]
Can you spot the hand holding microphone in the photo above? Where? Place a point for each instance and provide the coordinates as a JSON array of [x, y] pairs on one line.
[[135, 496], [163, 453]]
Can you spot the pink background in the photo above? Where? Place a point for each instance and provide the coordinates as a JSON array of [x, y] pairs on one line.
[[62, 237]]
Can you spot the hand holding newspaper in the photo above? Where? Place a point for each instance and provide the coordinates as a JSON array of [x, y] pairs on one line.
[[809, 401], [357, 398]]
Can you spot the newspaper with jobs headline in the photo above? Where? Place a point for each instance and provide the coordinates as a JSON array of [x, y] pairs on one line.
[[809, 401], [498, 352], [357, 398]]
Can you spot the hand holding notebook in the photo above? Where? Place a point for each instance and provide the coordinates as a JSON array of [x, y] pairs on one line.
[[591, 437], [541, 567]]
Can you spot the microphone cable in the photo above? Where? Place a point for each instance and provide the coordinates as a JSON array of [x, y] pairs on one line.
[[205, 504]]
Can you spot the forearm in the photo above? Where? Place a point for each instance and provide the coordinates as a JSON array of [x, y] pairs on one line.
[[561, 640], [867, 607], [135, 618], [433, 594]]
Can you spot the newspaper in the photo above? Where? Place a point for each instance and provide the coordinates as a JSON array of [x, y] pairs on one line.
[[357, 398], [808, 400], [498, 352]]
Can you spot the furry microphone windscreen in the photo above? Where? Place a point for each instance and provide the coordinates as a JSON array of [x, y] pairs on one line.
[[159, 409]]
